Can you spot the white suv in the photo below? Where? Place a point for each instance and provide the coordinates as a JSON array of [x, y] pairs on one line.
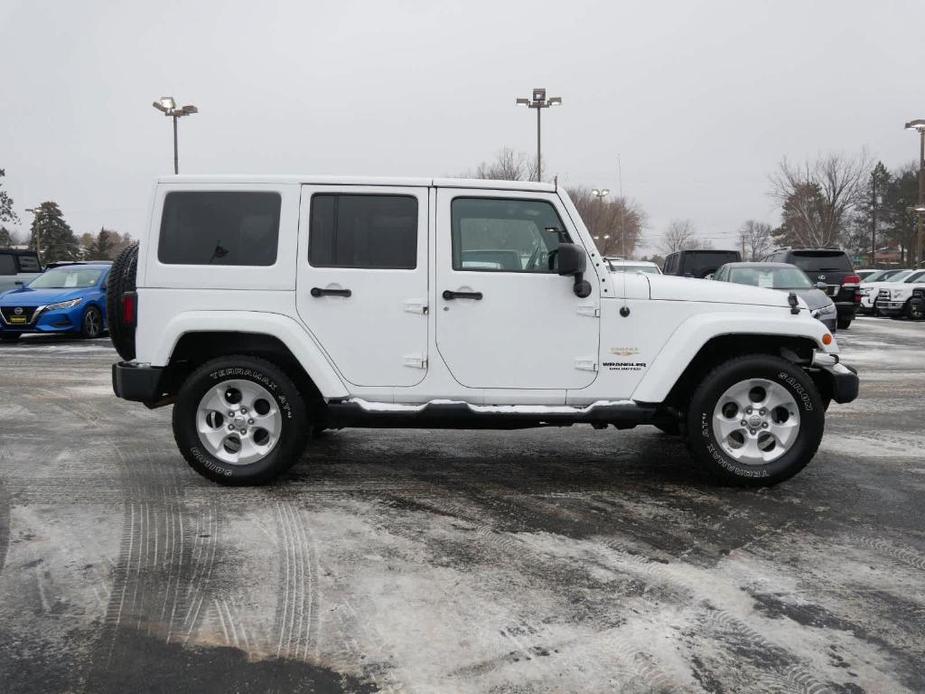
[[266, 308]]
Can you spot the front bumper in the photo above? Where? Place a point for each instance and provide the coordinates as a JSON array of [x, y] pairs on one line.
[[43, 321], [137, 382], [836, 380], [890, 308]]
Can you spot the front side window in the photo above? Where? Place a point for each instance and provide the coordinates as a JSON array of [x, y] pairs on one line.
[[219, 228], [363, 231], [496, 235]]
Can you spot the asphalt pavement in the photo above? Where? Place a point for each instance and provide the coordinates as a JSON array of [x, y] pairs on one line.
[[567, 560]]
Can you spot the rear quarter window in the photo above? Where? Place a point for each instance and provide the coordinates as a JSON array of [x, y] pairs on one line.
[[219, 228], [7, 264]]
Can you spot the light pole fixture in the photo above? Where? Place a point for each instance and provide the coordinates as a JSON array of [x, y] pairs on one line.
[[34, 211], [600, 193], [919, 209], [539, 102], [168, 107]]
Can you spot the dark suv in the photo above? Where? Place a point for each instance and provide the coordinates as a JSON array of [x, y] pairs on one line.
[[833, 269], [698, 263]]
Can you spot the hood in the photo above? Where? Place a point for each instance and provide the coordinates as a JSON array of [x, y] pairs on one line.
[[814, 298], [39, 297], [690, 289]]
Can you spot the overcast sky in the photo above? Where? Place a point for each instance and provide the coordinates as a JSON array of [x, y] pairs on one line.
[[699, 99]]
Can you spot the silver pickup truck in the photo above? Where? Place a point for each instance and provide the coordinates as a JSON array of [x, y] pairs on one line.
[[17, 266]]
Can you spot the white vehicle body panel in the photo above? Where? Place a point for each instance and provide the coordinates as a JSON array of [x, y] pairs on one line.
[[529, 331], [378, 335]]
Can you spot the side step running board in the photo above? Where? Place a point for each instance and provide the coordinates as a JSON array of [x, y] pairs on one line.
[[445, 414]]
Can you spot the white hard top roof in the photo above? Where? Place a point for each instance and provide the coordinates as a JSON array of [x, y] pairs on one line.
[[363, 181]]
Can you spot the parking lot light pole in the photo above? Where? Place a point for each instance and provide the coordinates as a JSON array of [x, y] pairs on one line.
[[38, 253], [168, 107], [539, 102], [919, 252]]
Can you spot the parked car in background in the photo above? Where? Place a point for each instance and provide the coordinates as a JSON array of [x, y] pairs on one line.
[[698, 263], [17, 267], [864, 274], [621, 265], [68, 299], [831, 267], [785, 277], [905, 298], [871, 286]]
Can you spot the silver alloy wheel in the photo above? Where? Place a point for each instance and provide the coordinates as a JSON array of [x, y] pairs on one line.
[[756, 421], [92, 320], [238, 422]]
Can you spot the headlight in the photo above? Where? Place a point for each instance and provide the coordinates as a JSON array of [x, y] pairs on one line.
[[865, 291], [897, 293], [64, 304]]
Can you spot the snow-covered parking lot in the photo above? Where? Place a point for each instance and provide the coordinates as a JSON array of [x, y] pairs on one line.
[[550, 560]]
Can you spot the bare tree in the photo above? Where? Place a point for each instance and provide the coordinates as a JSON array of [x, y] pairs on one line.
[[616, 224], [681, 235], [508, 165], [817, 197], [756, 239]]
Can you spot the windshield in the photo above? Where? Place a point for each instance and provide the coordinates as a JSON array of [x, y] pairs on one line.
[[898, 277], [770, 277], [915, 276], [634, 268], [67, 278]]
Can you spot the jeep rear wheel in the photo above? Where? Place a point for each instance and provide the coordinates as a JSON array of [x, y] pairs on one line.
[[755, 421], [240, 420]]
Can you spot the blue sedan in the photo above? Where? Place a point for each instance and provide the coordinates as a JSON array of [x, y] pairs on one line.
[[68, 299]]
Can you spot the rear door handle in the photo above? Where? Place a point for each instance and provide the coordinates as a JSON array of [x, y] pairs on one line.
[[447, 294], [318, 291]]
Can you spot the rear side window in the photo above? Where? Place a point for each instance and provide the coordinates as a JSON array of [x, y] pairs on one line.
[[363, 231], [28, 263], [821, 261], [7, 264], [219, 228]]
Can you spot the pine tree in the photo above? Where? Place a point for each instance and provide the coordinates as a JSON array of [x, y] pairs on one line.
[[101, 246], [6, 215], [51, 235]]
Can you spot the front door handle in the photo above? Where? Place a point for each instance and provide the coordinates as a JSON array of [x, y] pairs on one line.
[[447, 294], [317, 292]]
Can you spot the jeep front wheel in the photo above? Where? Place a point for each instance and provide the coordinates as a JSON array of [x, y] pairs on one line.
[[239, 420], [755, 421]]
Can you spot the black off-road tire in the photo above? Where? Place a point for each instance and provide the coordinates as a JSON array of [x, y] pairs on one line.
[[91, 325], [121, 280], [704, 445], [294, 429], [843, 323], [915, 309]]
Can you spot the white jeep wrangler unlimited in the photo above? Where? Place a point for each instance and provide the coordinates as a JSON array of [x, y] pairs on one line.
[[265, 309]]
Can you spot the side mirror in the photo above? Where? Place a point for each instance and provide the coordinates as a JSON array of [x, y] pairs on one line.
[[572, 262], [821, 285]]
